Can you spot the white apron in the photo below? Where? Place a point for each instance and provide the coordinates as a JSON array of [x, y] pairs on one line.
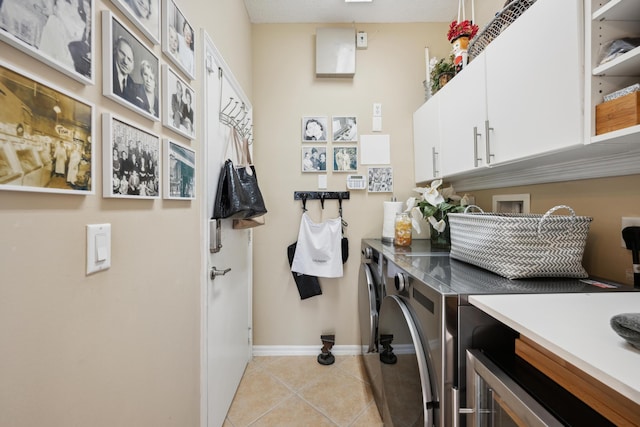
[[319, 250]]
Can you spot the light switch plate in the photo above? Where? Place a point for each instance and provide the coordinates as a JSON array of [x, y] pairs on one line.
[[98, 247]]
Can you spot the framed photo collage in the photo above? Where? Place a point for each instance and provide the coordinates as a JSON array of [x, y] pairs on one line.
[[48, 134]]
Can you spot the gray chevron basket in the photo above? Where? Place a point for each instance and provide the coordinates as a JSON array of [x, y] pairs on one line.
[[518, 246]]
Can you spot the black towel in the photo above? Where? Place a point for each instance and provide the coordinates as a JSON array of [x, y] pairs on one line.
[[308, 286]]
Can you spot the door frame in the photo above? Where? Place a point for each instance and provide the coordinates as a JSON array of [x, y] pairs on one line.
[[205, 215]]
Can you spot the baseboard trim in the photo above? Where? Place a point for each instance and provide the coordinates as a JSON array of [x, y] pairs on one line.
[[304, 350]]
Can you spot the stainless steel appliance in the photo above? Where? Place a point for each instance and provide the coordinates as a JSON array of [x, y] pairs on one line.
[[426, 325]]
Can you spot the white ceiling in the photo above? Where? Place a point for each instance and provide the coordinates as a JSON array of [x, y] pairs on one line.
[[338, 11]]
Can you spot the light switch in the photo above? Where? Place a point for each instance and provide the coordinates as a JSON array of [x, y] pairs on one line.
[[377, 124], [98, 247], [322, 182]]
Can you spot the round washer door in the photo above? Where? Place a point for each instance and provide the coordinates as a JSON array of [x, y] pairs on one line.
[[405, 373], [367, 309]]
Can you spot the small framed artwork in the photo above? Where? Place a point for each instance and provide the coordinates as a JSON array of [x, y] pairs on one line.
[[345, 129], [131, 72], [177, 110], [46, 137], [314, 159], [178, 38], [314, 129], [144, 14], [380, 179], [56, 33], [180, 171], [130, 160], [345, 159]]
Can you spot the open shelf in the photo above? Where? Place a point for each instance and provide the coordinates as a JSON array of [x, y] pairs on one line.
[[624, 65], [618, 10]]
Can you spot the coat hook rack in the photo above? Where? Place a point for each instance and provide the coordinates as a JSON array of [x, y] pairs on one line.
[[321, 195]]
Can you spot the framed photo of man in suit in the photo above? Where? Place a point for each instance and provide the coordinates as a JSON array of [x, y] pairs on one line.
[[131, 72], [34, 27]]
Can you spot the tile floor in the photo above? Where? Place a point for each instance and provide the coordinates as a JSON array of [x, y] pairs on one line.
[[297, 391]]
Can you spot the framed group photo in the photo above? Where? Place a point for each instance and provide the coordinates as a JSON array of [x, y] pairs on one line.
[[179, 101], [345, 129], [46, 137], [314, 129], [380, 179], [178, 38], [345, 159], [145, 14], [131, 72], [130, 160], [314, 158], [35, 27], [180, 171]]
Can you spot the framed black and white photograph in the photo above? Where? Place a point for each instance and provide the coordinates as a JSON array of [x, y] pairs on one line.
[[56, 32], [314, 129], [144, 14], [179, 100], [131, 72], [180, 171], [345, 129], [345, 159], [314, 158], [130, 160], [46, 137], [178, 38], [380, 179]]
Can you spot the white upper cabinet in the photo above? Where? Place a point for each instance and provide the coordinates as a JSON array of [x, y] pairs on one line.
[[426, 137], [534, 79]]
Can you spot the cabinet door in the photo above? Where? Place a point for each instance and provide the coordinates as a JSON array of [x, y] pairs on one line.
[[462, 108], [534, 82], [426, 141]]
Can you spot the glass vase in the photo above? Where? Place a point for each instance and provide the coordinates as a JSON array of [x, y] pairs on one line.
[[440, 240]]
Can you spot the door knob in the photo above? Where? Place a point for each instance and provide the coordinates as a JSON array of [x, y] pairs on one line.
[[215, 272]]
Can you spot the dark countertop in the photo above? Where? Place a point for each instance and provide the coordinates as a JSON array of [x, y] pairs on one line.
[[451, 276]]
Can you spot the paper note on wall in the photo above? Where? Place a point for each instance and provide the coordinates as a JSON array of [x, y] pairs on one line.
[[375, 150]]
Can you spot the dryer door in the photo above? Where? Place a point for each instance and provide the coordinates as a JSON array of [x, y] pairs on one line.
[[368, 310], [406, 379]]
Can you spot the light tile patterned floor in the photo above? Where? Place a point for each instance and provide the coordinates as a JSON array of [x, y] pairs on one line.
[[296, 391]]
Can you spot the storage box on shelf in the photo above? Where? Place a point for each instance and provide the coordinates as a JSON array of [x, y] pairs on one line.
[[610, 121], [617, 114]]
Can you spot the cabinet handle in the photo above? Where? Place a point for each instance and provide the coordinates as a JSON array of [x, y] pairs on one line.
[[487, 128], [434, 154], [476, 159]]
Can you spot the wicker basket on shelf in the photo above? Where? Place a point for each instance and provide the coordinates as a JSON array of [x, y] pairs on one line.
[[498, 24]]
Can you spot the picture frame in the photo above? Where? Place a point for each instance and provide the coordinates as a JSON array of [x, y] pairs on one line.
[[178, 38], [345, 129], [179, 171], [178, 108], [125, 56], [380, 179], [345, 159], [130, 160], [314, 158], [46, 137], [33, 27], [314, 129], [144, 14]]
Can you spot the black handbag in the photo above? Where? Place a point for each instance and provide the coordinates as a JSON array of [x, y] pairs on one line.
[[238, 195]]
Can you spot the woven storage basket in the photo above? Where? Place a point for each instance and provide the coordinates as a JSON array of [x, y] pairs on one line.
[[497, 25], [521, 245]]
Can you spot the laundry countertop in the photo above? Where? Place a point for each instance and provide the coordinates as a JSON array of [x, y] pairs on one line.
[[575, 327]]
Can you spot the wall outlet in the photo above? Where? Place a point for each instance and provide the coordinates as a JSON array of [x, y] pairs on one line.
[[377, 109], [628, 222]]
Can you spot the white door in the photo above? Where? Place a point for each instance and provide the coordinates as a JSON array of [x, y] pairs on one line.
[[227, 307]]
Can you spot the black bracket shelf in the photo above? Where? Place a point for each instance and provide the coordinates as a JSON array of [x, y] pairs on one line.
[[320, 195]]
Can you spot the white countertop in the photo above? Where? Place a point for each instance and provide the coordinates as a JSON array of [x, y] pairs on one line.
[[576, 328]]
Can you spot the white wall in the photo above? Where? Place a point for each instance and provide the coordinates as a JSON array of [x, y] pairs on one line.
[[120, 347]]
